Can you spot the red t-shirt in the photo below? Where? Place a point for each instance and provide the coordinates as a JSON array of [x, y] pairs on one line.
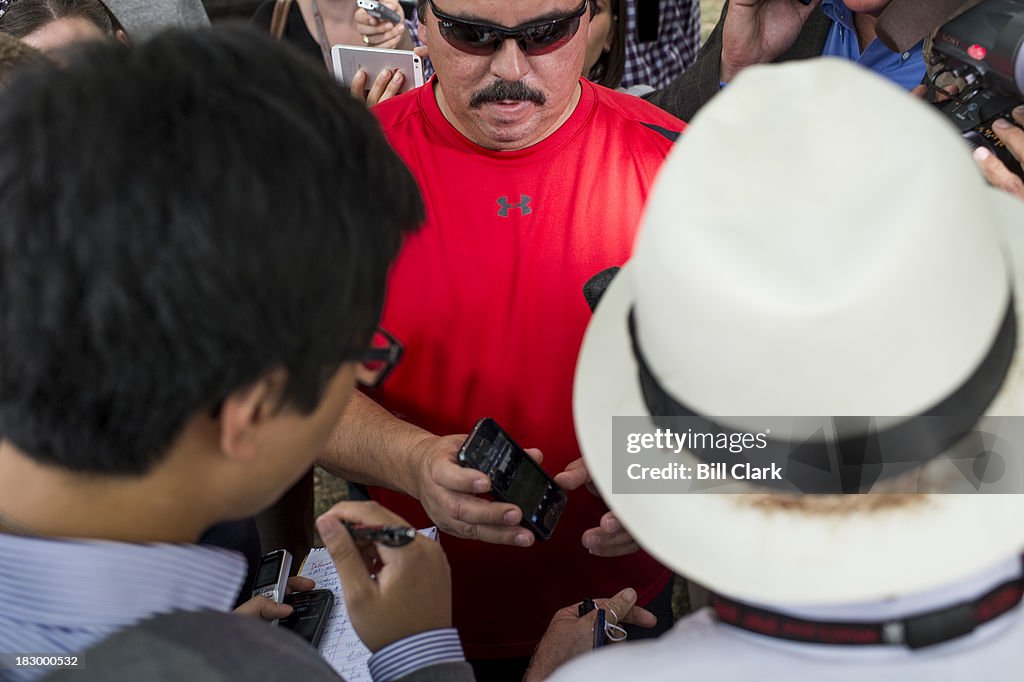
[[488, 301]]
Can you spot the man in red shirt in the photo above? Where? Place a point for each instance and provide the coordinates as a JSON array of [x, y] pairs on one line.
[[534, 181]]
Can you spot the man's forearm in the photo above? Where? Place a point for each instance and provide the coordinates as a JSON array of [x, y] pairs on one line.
[[373, 447]]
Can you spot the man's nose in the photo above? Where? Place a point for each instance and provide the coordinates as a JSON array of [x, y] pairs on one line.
[[509, 62]]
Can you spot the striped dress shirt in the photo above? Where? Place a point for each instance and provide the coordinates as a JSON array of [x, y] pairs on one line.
[[59, 597]]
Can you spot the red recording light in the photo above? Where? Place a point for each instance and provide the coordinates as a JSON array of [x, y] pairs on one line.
[[976, 52]]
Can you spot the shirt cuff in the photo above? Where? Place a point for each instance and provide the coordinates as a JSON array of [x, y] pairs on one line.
[[408, 655]]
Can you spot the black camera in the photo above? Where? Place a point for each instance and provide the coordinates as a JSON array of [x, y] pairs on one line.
[[982, 49]]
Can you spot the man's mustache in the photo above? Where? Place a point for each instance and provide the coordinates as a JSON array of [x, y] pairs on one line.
[[507, 91]]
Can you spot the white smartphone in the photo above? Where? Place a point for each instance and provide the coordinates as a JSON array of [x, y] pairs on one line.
[[348, 59]]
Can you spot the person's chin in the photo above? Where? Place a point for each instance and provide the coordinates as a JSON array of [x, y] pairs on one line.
[[509, 114], [510, 122]]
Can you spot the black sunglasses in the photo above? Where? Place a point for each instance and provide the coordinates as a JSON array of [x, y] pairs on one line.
[[534, 38]]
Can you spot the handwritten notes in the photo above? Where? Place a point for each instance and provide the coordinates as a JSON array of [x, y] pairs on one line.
[[340, 645]]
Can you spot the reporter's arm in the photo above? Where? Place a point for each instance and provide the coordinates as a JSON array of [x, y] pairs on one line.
[[373, 447]]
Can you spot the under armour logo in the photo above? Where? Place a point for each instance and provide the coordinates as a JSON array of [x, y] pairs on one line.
[[523, 206]]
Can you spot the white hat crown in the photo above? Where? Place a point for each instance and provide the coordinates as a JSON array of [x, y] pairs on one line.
[[811, 248]]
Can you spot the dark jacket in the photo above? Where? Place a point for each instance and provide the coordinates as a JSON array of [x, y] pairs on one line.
[[691, 90], [208, 646]]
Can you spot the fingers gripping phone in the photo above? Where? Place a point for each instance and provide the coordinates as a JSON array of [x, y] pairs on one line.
[[380, 11], [272, 576], [348, 60], [515, 477], [310, 614]]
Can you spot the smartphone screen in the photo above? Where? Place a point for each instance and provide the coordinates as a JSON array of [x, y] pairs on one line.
[[267, 574], [272, 575], [515, 477]]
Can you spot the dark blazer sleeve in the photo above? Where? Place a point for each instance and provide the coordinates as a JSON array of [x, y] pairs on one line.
[[442, 672], [217, 647], [684, 96], [699, 83]]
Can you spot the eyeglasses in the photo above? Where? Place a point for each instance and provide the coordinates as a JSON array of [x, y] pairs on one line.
[[377, 362], [534, 38]]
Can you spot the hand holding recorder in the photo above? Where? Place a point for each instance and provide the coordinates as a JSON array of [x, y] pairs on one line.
[[391, 592], [760, 31], [381, 23], [570, 634]]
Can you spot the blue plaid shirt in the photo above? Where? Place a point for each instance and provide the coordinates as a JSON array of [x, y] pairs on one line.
[[657, 63]]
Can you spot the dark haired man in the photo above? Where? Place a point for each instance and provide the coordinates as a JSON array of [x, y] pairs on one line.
[[191, 269], [534, 180]]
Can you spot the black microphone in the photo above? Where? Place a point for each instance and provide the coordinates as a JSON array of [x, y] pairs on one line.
[[595, 287]]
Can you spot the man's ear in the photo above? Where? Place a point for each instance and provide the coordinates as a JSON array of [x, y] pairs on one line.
[[122, 38], [246, 411]]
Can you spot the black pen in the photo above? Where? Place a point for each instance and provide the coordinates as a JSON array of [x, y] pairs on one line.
[[390, 536]]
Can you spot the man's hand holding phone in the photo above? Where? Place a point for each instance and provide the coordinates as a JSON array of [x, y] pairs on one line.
[[608, 538], [450, 493], [391, 592], [760, 31], [269, 610]]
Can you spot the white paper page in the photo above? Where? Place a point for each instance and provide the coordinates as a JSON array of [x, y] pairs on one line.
[[340, 645]]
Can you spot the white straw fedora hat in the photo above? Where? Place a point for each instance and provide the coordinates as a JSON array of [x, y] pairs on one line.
[[818, 243]]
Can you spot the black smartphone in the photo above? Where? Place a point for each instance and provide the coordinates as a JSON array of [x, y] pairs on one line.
[[309, 619], [514, 476]]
